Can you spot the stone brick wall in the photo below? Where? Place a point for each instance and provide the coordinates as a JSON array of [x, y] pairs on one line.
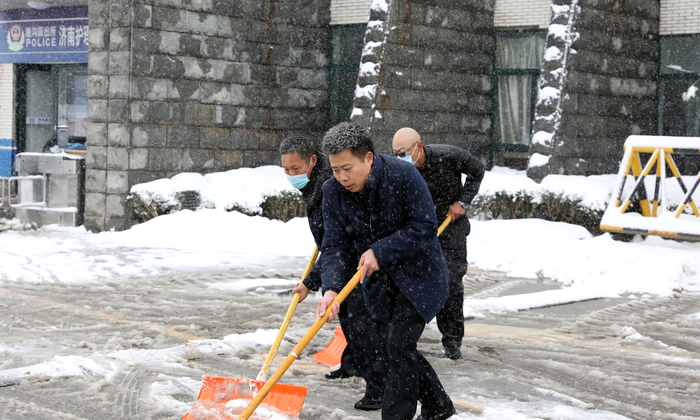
[[345, 12], [679, 17], [427, 65], [606, 89], [522, 13], [201, 86], [7, 101]]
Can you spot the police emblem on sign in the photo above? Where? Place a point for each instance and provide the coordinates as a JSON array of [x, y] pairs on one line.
[[15, 38]]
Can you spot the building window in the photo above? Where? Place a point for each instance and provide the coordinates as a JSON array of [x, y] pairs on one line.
[[48, 96], [517, 62], [679, 69], [345, 53]]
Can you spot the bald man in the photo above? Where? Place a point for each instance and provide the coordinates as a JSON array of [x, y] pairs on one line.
[[442, 167]]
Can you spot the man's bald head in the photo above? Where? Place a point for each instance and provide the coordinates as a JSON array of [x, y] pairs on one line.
[[405, 138]]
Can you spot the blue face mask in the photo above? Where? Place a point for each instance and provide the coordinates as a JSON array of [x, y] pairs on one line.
[[409, 158], [298, 181]]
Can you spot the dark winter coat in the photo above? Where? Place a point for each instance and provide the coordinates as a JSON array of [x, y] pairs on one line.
[[442, 171], [312, 195], [394, 216]]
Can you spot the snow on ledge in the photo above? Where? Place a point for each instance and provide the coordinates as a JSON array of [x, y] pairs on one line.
[[537, 160], [542, 137], [663, 142]]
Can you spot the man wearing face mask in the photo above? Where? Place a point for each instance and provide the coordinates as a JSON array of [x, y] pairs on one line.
[[307, 169], [442, 167]]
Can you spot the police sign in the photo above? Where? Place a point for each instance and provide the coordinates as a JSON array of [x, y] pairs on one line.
[[48, 36]]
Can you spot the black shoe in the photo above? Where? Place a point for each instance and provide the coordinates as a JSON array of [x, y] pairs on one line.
[[453, 353], [369, 404], [339, 374], [444, 416]]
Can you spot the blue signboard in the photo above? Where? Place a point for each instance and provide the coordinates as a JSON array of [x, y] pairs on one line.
[[48, 36]]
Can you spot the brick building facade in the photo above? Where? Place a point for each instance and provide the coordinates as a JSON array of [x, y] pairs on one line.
[[551, 86], [197, 87]]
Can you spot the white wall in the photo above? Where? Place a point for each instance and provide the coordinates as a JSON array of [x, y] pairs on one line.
[[679, 17], [519, 13], [7, 101], [344, 12]]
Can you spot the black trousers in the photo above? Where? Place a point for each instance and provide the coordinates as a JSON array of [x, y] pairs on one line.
[[347, 360], [411, 378], [365, 351], [450, 319]]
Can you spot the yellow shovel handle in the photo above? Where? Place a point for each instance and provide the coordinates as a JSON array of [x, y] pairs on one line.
[[296, 351], [287, 320], [444, 224], [299, 348]]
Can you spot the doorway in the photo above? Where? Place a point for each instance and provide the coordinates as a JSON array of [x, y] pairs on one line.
[[49, 96]]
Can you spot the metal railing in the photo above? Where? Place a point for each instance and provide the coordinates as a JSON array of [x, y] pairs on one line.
[[24, 178]]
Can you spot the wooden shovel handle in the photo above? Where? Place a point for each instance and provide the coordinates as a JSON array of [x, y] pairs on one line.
[[299, 348], [444, 224], [287, 320], [296, 351]]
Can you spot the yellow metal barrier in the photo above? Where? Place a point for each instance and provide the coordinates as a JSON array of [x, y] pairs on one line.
[[659, 217]]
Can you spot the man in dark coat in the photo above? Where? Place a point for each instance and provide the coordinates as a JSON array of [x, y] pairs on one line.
[[380, 207], [442, 167], [307, 170]]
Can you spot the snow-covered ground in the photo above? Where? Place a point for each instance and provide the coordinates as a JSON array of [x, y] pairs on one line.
[[575, 265]]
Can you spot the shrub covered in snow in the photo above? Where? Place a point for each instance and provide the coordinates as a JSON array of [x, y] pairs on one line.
[[264, 191], [555, 207]]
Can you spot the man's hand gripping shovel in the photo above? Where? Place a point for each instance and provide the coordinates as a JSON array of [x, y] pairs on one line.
[[286, 398]]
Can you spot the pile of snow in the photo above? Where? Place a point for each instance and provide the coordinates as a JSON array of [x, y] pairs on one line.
[[588, 267], [594, 190], [243, 187]]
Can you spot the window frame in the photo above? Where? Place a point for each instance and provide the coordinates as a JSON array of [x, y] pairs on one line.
[[672, 76], [21, 70], [495, 74], [333, 68]]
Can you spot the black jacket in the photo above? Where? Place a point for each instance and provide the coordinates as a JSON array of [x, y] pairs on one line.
[[312, 195], [395, 218], [442, 171]]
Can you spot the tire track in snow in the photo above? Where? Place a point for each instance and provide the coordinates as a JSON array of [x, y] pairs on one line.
[[595, 358]]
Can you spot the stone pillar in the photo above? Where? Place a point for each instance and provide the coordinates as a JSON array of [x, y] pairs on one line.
[[598, 85], [197, 86], [427, 65]]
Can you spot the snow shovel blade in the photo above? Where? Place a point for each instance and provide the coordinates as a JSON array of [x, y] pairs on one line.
[[333, 352], [217, 391]]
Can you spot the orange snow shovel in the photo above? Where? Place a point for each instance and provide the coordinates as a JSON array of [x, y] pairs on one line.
[[296, 351], [217, 391], [333, 352]]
